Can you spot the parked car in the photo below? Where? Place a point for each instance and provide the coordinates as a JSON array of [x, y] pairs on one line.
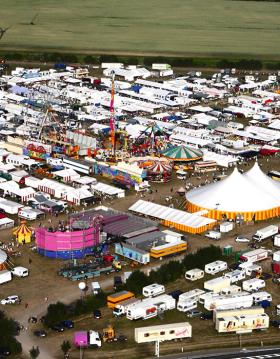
[[4, 351], [68, 324], [121, 338], [40, 333], [58, 328], [194, 313], [275, 323], [242, 239], [206, 316], [97, 314], [11, 299]]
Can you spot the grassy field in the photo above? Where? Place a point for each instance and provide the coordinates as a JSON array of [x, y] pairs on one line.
[[175, 27]]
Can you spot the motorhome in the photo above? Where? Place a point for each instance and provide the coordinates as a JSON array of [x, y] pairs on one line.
[[236, 275], [217, 284], [153, 290], [215, 267], [194, 274], [253, 285]]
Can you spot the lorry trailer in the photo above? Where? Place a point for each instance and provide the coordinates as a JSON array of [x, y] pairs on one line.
[[255, 255], [118, 298], [5, 276]]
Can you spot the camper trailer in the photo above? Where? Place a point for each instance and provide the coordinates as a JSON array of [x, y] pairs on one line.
[[215, 267], [194, 274], [260, 296], [253, 285], [186, 305], [236, 275], [250, 268], [232, 289], [153, 290], [163, 332], [234, 301], [217, 284], [242, 324]]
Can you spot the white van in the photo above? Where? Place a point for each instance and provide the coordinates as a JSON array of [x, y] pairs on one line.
[[20, 271], [194, 274], [215, 267], [153, 290], [95, 288], [213, 235]]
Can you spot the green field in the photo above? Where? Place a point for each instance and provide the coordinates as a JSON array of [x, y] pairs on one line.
[[174, 27]]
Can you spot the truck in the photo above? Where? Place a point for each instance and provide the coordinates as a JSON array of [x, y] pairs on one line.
[[255, 255], [86, 339], [234, 301], [213, 235], [253, 285], [5, 276], [265, 233], [194, 274], [215, 267], [236, 275], [122, 308], [20, 271], [118, 298], [153, 290], [151, 307], [217, 284]]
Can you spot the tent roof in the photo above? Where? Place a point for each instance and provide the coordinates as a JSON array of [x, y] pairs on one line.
[[22, 229], [170, 214], [182, 153], [250, 192]]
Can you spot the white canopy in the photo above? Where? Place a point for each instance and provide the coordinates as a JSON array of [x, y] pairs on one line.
[[250, 192], [170, 214]]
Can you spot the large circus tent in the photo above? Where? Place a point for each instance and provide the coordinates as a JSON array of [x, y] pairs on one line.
[[182, 153], [252, 195]]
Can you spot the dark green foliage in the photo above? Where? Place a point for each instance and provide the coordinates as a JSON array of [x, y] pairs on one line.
[[56, 313], [65, 346], [8, 331]]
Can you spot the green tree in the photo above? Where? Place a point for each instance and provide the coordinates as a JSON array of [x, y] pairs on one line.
[[8, 331], [56, 313], [65, 346], [34, 352], [136, 281]]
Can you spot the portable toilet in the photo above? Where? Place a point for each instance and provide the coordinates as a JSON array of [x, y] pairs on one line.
[[227, 251]]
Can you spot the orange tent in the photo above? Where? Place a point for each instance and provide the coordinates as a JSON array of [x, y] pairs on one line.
[[23, 233]]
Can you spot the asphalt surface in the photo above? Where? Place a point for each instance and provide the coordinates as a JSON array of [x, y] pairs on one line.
[[260, 353]]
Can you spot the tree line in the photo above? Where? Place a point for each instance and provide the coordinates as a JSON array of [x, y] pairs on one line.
[[165, 274]]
